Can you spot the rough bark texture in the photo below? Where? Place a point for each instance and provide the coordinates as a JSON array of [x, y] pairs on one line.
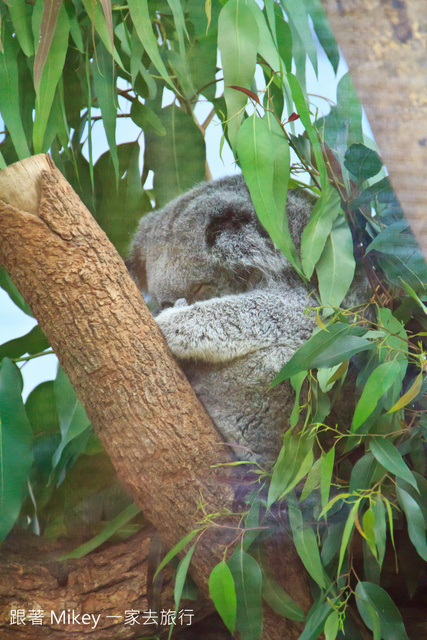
[[107, 584], [384, 44], [158, 436]]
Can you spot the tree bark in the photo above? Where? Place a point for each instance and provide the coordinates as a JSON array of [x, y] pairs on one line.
[[384, 44], [159, 438]]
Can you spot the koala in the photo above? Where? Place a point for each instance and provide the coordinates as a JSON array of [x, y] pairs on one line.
[[230, 306]]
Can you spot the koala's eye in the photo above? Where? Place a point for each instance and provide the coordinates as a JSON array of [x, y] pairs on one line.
[[200, 292]]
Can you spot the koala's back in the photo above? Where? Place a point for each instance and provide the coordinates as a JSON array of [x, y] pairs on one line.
[[234, 310]]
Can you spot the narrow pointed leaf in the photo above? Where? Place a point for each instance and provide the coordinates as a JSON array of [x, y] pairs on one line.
[[247, 577], [389, 457], [377, 384], [47, 29], [306, 543], [319, 226], [18, 13], [415, 520], [238, 37], [52, 71], [223, 594], [15, 450], [372, 597], [141, 19], [9, 94], [410, 395], [103, 76], [336, 266]]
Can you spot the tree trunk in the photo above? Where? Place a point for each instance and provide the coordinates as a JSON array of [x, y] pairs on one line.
[[384, 44], [159, 438]]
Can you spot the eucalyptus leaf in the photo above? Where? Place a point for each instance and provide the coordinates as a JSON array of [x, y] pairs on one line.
[[371, 597], [415, 520], [318, 228], [247, 577], [177, 159], [336, 266], [223, 594], [390, 458], [311, 354], [238, 38], [9, 94], [306, 543], [377, 384], [16, 447]]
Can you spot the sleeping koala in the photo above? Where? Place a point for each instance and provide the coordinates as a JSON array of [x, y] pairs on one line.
[[233, 310]]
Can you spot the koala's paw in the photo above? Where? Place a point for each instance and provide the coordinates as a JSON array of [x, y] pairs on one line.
[[174, 326]]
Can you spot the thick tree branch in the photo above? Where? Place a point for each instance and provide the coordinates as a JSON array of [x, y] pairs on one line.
[[159, 438], [384, 43]]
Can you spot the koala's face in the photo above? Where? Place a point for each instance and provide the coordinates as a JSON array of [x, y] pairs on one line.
[[206, 243]]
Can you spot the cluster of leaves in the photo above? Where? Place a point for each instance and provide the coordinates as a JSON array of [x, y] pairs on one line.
[[350, 479]]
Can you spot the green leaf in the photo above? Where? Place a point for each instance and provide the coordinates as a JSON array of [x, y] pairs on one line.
[[324, 31], [47, 29], [178, 17], [368, 528], [346, 536], [177, 159], [15, 447], [377, 384], [304, 113], [372, 597], [362, 162], [415, 520], [319, 226], [109, 530], [410, 395], [238, 38], [72, 416], [280, 601], [306, 543], [315, 621], [248, 581], [380, 527], [103, 77], [41, 409], [297, 14], [326, 476], [33, 342], [389, 457], [296, 381], [146, 119], [313, 478], [97, 16], [18, 14], [336, 266], [265, 160], [294, 462], [223, 594], [331, 626], [52, 72], [140, 16], [9, 94], [266, 46], [181, 575], [176, 549], [316, 347]]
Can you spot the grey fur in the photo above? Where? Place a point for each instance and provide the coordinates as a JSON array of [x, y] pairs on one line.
[[237, 311]]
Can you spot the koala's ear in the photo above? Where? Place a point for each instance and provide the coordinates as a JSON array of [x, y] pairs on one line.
[[228, 220]]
